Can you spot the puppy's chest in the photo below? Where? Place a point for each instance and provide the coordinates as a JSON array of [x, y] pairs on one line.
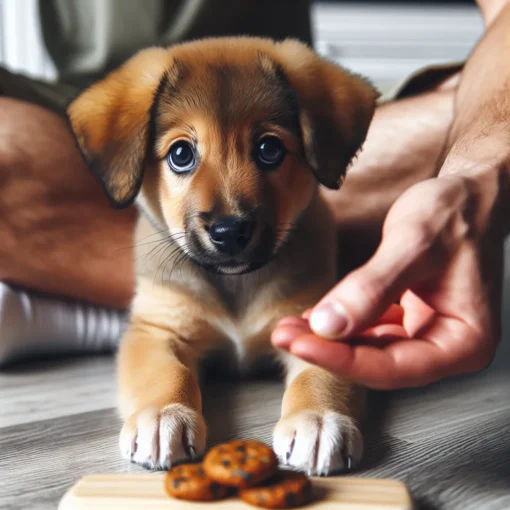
[[246, 328]]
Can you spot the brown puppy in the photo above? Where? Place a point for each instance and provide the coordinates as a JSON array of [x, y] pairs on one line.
[[222, 142]]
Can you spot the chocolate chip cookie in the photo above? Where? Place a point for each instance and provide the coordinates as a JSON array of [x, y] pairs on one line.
[[240, 463], [287, 489], [190, 482]]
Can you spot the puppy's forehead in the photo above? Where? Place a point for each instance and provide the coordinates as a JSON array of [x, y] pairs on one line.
[[228, 90]]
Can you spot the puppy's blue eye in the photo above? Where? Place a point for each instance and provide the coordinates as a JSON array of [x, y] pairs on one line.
[[182, 157], [270, 153]]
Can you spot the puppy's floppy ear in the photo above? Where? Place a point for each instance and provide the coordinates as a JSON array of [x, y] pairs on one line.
[[336, 109], [111, 123]]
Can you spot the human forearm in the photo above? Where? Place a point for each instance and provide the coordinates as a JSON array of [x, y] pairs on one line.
[[403, 144], [483, 97], [479, 141], [402, 148]]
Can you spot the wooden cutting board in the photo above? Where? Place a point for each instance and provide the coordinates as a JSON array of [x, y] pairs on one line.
[[147, 492]]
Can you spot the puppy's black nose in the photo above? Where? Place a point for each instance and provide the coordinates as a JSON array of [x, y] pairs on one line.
[[231, 235]]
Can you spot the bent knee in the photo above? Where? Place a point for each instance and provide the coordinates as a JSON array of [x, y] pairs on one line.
[[34, 143], [27, 129]]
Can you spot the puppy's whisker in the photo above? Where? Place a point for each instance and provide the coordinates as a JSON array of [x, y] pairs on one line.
[[155, 234], [149, 242], [170, 257], [163, 242], [179, 259], [131, 246], [162, 256], [182, 262], [154, 251], [162, 246], [165, 261]]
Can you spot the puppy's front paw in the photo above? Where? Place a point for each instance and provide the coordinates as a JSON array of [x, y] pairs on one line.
[[318, 442], [156, 438]]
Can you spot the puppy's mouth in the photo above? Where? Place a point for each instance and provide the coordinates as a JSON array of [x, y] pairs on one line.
[[233, 268], [227, 268], [257, 255]]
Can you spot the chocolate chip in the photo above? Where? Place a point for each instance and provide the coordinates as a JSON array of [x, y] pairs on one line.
[[290, 499], [241, 448], [177, 481], [226, 463], [215, 488], [243, 474]]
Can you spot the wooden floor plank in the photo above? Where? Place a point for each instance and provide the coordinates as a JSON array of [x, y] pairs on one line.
[[455, 464], [49, 389]]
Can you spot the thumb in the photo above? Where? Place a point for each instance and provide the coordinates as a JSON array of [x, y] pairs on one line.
[[358, 301]]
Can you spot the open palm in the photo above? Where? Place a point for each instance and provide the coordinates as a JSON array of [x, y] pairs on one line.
[[425, 306]]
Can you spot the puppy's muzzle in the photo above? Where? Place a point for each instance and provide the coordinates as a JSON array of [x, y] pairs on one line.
[[231, 235]]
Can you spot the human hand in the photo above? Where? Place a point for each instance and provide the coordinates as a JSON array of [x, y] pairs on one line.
[[440, 259]]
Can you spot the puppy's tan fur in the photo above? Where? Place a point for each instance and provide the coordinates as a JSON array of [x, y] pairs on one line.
[[216, 92]]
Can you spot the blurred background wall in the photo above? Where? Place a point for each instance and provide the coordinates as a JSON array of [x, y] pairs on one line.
[[383, 40]]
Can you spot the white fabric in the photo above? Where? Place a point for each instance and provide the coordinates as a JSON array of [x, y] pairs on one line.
[[33, 325]]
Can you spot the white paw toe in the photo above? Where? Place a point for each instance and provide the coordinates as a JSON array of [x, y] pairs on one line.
[[157, 438], [318, 443]]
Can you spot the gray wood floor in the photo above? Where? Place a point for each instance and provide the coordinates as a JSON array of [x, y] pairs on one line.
[[450, 442]]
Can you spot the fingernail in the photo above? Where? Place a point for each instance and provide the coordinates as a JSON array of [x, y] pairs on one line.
[[329, 320]]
